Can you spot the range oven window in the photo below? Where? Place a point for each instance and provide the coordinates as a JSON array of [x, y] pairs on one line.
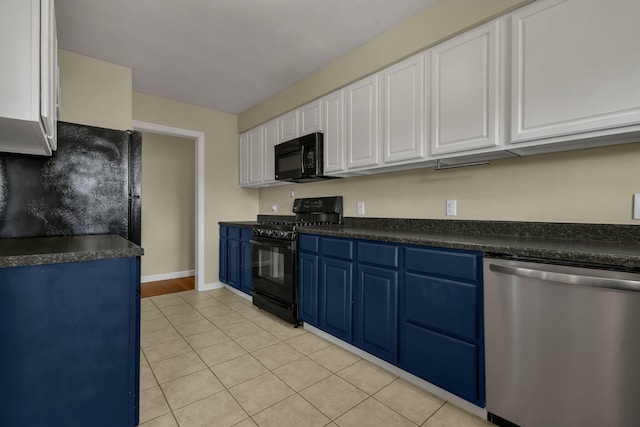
[[273, 269]]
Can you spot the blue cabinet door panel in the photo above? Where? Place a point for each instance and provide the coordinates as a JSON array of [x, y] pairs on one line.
[[222, 256], [233, 233], [337, 248], [70, 342], [441, 304], [378, 254], [444, 263], [377, 312], [442, 360], [336, 294], [308, 282], [233, 262]]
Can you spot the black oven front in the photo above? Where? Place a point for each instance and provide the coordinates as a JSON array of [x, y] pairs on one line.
[[275, 277]]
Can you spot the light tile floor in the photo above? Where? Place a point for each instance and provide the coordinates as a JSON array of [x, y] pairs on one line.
[[213, 359]]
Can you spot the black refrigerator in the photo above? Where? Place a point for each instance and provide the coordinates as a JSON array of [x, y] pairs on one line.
[[90, 185]]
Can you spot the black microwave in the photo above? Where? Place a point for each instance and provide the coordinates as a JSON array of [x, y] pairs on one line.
[[300, 159]]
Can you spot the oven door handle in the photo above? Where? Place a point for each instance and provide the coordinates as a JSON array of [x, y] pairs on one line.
[[271, 244]]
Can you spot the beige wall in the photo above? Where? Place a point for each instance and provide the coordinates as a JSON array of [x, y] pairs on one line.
[[435, 23], [594, 185], [168, 204], [94, 92], [224, 199]]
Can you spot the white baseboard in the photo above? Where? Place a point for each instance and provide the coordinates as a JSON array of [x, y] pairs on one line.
[[455, 400], [210, 286], [167, 276]]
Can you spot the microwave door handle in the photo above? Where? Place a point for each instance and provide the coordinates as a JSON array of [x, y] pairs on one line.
[[302, 156]]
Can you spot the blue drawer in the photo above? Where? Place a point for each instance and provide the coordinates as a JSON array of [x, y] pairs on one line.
[[378, 254], [309, 243], [223, 231], [443, 361], [441, 304], [445, 263], [337, 248]]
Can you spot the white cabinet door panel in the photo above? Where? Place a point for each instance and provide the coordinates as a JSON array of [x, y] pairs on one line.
[[244, 159], [270, 140], [256, 158], [333, 128], [465, 91], [310, 117], [575, 67], [403, 110], [362, 123], [288, 126]]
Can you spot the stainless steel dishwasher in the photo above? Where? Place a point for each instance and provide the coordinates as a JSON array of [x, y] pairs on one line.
[[562, 345]]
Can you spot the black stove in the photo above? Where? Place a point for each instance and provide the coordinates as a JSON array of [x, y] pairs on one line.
[[274, 253], [310, 212]]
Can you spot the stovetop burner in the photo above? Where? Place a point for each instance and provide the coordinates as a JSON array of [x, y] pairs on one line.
[[310, 212]]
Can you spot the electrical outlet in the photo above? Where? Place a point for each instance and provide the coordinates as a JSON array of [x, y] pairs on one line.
[[360, 208], [452, 207], [636, 206], [274, 208], [293, 194]]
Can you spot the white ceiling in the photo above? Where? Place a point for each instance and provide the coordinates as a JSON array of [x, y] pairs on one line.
[[227, 55]]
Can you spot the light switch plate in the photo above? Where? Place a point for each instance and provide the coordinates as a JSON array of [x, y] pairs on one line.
[[636, 206], [360, 208]]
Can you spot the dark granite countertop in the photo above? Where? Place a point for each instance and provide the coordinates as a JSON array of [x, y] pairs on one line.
[[245, 224], [597, 244], [55, 250]]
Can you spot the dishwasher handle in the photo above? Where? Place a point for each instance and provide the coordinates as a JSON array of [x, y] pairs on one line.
[[569, 279]]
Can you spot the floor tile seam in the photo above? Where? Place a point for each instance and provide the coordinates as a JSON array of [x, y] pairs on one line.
[[373, 396], [320, 410], [197, 400], [341, 369], [434, 413], [167, 342], [268, 407], [199, 357]]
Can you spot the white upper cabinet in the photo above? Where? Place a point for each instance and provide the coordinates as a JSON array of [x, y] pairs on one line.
[[244, 159], [363, 123], [288, 126], [270, 139], [310, 117], [575, 68], [29, 83], [403, 111], [466, 96], [333, 128], [256, 155]]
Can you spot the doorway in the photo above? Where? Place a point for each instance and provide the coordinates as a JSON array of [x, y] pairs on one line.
[[189, 136]]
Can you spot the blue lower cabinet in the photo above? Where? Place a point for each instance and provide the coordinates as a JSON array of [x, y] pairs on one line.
[[336, 298], [234, 262], [419, 308], [377, 312], [235, 257], [442, 360], [70, 344], [308, 283]]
